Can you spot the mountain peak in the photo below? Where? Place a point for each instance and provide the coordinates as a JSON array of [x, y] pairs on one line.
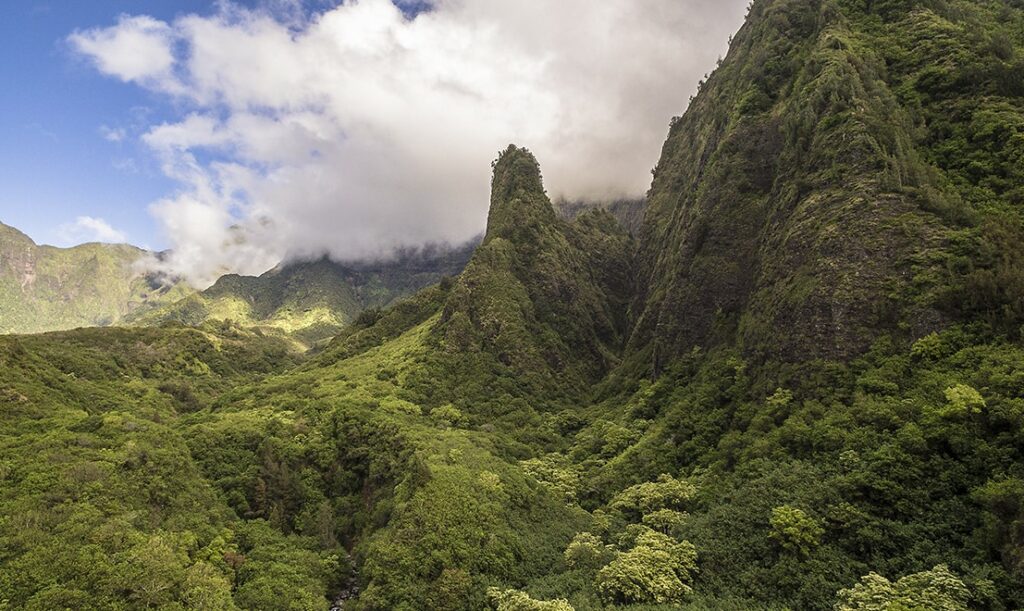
[[10, 234], [517, 194]]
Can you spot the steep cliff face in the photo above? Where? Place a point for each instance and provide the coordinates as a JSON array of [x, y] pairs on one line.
[[799, 209]]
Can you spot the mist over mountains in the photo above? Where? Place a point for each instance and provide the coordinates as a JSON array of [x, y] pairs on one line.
[[307, 297], [45, 288]]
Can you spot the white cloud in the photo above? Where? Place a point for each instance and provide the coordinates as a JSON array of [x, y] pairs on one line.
[[89, 229], [136, 49], [126, 165], [358, 129]]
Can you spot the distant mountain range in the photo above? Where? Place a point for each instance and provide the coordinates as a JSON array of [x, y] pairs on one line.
[[311, 301], [45, 288]]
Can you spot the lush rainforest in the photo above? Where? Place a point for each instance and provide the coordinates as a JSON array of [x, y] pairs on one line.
[[798, 383]]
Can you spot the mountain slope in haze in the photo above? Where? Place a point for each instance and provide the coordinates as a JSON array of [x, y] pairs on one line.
[[44, 288], [628, 212], [313, 300]]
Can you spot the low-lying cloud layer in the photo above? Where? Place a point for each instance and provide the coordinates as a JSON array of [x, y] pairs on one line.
[[359, 129]]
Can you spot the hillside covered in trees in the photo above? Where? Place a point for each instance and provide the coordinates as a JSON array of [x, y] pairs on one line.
[[799, 385], [45, 288]]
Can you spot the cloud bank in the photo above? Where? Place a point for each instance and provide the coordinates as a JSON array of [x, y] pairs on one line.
[[358, 129]]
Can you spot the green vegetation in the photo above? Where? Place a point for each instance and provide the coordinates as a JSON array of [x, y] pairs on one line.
[[43, 288], [799, 386], [311, 301], [628, 212], [935, 589]]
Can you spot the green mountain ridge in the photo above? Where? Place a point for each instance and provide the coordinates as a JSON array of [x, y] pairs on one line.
[[541, 294], [311, 301], [628, 212], [44, 288], [797, 386], [758, 220]]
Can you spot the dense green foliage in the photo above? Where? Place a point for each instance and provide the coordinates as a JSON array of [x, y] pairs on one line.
[[104, 505], [43, 288], [800, 386], [851, 169], [937, 589], [312, 301]]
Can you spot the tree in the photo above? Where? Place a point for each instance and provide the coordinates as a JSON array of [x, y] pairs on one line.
[[935, 590], [666, 521], [586, 551], [648, 497], [962, 400], [514, 600], [206, 588], [794, 530], [657, 570], [449, 415]]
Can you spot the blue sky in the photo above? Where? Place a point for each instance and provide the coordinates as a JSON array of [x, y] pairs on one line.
[[55, 163]]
